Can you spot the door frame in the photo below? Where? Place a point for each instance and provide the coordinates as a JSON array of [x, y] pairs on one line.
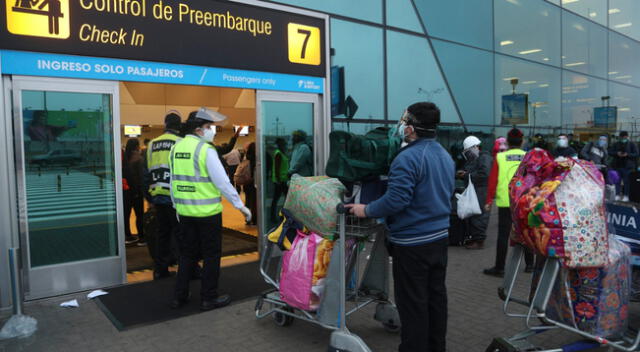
[[320, 137], [57, 279]]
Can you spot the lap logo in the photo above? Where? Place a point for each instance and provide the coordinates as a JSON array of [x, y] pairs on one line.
[[38, 18], [515, 157], [183, 188], [183, 155]]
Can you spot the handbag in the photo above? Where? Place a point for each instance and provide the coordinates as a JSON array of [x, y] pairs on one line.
[[468, 205]]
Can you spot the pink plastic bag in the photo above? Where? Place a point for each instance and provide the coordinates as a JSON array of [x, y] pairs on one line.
[[297, 271]]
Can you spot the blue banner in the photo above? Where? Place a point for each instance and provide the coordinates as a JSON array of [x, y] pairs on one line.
[[625, 220], [69, 66]]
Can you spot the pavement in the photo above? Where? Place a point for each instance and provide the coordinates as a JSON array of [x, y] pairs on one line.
[[475, 318]]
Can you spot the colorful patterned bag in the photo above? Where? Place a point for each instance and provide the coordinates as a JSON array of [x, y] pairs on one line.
[[313, 201], [557, 207], [593, 300]]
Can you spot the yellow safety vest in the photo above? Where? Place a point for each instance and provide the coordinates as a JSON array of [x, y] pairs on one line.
[[193, 192], [281, 175], [158, 155], [508, 163]]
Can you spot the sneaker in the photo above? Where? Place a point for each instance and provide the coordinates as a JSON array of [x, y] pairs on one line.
[[618, 198], [141, 243], [494, 272], [625, 198], [474, 245], [130, 239]]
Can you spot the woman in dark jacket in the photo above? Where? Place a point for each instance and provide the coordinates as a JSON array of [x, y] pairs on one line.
[[250, 189], [132, 171]]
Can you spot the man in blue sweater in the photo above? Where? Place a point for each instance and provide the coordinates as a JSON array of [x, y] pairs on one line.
[[417, 206]]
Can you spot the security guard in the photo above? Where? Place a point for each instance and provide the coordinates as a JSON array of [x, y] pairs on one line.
[[504, 167], [158, 178], [198, 181]]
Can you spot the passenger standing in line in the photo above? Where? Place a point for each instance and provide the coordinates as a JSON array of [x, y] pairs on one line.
[[301, 156], [504, 167], [563, 148], [417, 205], [158, 186], [279, 175], [596, 152], [477, 166], [132, 171], [625, 154], [198, 180], [250, 189]]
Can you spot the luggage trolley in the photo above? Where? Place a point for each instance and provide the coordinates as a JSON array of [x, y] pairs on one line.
[[343, 284], [536, 310]]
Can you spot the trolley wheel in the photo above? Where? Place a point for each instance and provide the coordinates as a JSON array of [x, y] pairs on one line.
[[283, 320], [391, 328]]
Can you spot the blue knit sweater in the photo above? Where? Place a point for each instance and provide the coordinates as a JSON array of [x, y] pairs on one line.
[[417, 204]]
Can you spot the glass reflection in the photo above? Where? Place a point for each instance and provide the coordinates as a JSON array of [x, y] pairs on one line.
[[623, 59], [595, 10], [582, 46], [580, 95], [624, 17]]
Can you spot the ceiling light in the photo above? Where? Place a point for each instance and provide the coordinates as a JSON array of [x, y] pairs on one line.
[[623, 25], [578, 27], [623, 77], [575, 64], [529, 82], [515, 2], [614, 10], [544, 85], [546, 59], [506, 42], [509, 78], [526, 52], [593, 14], [568, 1], [613, 72], [624, 109]]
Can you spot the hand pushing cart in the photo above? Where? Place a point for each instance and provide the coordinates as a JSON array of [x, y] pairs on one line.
[[346, 291]]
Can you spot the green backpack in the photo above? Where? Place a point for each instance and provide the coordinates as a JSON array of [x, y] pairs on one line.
[[355, 158]]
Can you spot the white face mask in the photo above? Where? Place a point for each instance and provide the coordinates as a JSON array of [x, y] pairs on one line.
[[563, 143], [208, 135], [401, 132]]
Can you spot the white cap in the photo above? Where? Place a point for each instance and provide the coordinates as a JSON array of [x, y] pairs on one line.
[[470, 142], [210, 115]]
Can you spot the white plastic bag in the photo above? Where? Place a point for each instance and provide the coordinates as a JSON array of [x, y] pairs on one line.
[[468, 202]]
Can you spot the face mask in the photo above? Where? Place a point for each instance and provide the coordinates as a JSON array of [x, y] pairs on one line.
[[602, 143], [625, 140], [208, 135], [471, 154], [563, 143]]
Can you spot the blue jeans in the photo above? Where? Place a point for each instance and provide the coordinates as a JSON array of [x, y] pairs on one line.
[[624, 177]]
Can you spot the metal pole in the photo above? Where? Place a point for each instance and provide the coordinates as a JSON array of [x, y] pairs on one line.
[[343, 295], [16, 282]]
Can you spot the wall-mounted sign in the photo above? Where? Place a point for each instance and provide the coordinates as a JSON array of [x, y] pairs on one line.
[[210, 33], [132, 130], [605, 116]]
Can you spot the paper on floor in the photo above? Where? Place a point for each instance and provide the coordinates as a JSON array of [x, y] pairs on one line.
[[97, 293], [70, 304]]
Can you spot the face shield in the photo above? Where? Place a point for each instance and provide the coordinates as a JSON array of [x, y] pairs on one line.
[[216, 118]]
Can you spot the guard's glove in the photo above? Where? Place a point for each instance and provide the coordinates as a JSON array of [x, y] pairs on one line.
[[247, 213]]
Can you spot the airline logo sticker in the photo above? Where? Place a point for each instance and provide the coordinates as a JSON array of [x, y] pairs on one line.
[[304, 44], [39, 18]]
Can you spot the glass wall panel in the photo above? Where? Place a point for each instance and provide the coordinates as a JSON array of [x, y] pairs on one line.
[[401, 14], [540, 83], [413, 75], [470, 75], [580, 94], [529, 29], [595, 10], [367, 10], [627, 99], [363, 65], [463, 21], [624, 56], [624, 17], [583, 44]]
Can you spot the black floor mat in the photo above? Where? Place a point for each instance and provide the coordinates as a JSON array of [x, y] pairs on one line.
[[147, 303], [233, 243]]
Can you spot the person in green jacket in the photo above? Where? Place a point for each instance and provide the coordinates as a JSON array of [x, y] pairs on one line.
[[279, 175]]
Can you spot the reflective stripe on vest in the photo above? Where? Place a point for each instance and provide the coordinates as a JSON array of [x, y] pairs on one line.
[[158, 164], [193, 192], [281, 175], [508, 163]]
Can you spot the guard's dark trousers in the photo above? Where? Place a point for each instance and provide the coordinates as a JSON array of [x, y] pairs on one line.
[[421, 295], [504, 229], [168, 228], [199, 236]]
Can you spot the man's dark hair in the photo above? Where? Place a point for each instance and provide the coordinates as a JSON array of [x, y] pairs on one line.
[[281, 143], [514, 137], [172, 121], [194, 122], [624, 134], [427, 117]]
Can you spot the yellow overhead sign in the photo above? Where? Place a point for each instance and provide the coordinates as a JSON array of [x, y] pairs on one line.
[[38, 18], [304, 44]]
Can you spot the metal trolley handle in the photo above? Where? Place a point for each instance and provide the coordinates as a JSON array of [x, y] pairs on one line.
[[341, 209]]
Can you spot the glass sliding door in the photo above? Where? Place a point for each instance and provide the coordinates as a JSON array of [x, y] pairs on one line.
[[287, 145], [66, 144]]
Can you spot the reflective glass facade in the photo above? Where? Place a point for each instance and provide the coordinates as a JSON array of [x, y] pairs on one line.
[[566, 55]]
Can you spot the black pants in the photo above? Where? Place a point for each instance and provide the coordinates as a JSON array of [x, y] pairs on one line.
[[252, 202], [421, 295], [504, 229], [167, 230], [199, 237], [133, 200], [279, 189], [477, 226]]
